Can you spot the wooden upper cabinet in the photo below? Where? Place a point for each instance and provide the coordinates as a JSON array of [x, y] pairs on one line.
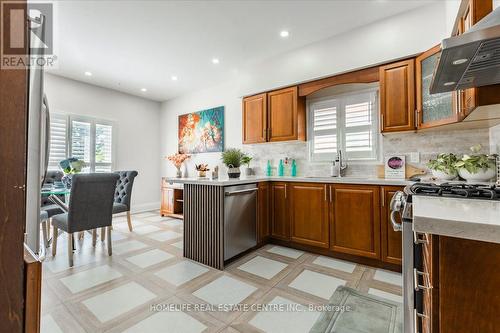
[[397, 96], [280, 225], [286, 115], [263, 212], [391, 241], [355, 220], [255, 119], [309, 214], [436, 109]]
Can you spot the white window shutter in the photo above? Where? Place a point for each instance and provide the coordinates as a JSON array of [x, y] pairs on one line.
[[103, 147], [348, 122], [58, 140]]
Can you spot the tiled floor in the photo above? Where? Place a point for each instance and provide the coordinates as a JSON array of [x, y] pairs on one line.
[[147, 286]]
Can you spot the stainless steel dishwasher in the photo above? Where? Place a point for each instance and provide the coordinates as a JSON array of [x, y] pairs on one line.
[[240, 216]]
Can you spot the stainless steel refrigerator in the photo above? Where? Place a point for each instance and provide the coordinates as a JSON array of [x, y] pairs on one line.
[[38, 144]]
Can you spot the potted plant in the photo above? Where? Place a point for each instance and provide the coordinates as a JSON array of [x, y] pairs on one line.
[[69, 167], [443, 167], [246, 160], [476, 167], [232, 158], [177, 159], [202, 170]]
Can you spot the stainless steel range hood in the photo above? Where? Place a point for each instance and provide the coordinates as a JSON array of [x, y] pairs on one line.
[[470, 60]]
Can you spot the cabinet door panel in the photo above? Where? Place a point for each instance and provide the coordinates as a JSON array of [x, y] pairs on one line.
[[255, 119], [397, 96], [282, 113], [309, 214], [391, 241], [280, 225], [356, 220], [263, 212], [436, 109], [167, 201]]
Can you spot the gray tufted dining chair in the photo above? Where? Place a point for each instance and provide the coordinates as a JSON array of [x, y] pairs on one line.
[[46, 204], [123, 194], [90, 208]]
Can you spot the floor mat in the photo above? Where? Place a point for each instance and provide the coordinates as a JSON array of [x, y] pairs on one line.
[[351, 311]]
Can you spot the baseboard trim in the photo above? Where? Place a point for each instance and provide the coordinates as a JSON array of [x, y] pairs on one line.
[[145, 207]]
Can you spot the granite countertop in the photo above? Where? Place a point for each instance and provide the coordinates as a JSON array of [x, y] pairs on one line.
[[257, 179], [454, 217]]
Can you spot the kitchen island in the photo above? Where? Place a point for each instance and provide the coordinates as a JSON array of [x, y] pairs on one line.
[[345, 217]]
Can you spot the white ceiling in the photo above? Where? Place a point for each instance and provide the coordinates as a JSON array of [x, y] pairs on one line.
[[129, 45]]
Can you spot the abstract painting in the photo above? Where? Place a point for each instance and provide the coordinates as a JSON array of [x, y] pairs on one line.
[[202, 132]]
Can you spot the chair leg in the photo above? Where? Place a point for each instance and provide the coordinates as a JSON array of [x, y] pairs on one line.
[[70, 249], [110, 250], [54, 240], [103, 234], [129, 221], [94, 237], [44, 234]]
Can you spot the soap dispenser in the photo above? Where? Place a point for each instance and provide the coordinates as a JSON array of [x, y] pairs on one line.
[[269, 169], [281, 169], [294, 169]]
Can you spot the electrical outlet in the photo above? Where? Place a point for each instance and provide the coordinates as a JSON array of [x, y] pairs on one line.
[[415, 157]]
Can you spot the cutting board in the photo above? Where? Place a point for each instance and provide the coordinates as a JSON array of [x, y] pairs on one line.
[[410, 170]]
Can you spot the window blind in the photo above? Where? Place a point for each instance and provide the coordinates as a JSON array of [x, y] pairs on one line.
[[58, 140], [103, 147], [347, 122], [85, 138]]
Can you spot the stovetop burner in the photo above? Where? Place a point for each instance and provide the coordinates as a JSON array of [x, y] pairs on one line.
[[457, 190]]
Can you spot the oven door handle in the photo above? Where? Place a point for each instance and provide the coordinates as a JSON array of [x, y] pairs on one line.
[[395, 225]]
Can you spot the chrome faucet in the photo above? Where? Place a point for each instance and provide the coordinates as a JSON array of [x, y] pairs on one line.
[[339, 165]]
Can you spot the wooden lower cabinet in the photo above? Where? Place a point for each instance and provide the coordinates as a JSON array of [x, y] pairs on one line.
[[355, 220], [280, 226], [263, 229], [391, 241], [467, 297], [172, 203], [309, 214]]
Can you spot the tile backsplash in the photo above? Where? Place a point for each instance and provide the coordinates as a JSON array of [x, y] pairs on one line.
[[428, 144]]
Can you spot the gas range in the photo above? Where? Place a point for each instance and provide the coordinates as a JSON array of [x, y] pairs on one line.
[[454, 190]]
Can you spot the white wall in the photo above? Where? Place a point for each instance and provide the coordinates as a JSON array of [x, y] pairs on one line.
[[137, 126], [396, 37]]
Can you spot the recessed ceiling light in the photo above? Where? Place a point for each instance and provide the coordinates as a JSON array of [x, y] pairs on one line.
[[174, 78], [215, 60], [284, 33], [88, 74], [144, 89], [460, 61]]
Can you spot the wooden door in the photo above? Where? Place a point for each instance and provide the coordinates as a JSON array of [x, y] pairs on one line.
[[13, 141], [436, 109], [263, 213], [255, 119], [309, 214], [286, 115], [391, 241], [397, 96], [355, 220], [280, 225]]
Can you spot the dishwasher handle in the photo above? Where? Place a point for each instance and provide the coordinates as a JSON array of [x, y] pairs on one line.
[[227, 194]]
